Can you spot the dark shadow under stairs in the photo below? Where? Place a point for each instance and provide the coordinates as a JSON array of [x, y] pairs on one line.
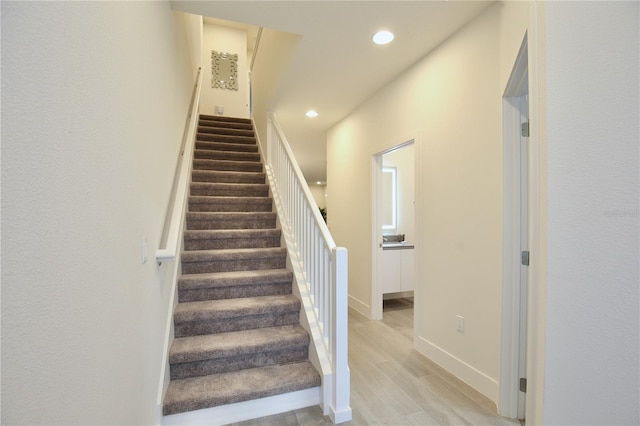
[[237, 324]]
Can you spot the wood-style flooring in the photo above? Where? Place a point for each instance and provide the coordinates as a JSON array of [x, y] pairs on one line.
[[393, 384]]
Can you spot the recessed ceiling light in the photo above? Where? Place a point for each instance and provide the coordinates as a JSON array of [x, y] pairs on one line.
[[312, 114], [383, 37]]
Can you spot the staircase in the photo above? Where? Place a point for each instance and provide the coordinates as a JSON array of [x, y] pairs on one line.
[[237, 324]]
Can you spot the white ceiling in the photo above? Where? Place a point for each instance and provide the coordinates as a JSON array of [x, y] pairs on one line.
[[335, 66]]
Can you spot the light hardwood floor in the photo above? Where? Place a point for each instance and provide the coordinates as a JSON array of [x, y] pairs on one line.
[[393, 384]]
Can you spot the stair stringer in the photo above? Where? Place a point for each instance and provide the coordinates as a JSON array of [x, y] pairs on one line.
[[318, 352]]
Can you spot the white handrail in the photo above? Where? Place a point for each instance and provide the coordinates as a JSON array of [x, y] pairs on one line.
[[320, 268], [167, 251]]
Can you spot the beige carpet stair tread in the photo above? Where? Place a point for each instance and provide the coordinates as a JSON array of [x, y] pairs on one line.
[[225, 131], [231, 185], [226, 155], [234, 278], [227, 388], [249, 140], [197, 348], [226, 146], [224, 118], [231, 254], [229, 215], [227, 176], [231, 233], [225, 203], [206, 122], [227, 165], [229, 308]]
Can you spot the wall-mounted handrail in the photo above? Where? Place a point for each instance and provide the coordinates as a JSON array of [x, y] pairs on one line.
[[169, 242], [320, 268]]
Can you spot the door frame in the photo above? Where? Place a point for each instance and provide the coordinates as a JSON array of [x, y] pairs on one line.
[[516, 166], [376, 216]]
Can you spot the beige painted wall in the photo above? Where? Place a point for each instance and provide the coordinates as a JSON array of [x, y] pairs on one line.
[[591, 152], [450, 103], [271, 61], [227, 40], [94, 101]]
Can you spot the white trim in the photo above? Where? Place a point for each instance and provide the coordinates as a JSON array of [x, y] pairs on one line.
[[248, 410], [511, 352], [375, 307], [359, 306], [340, 408], [376, 221], [536, 321], [419, 249], [463, 371]]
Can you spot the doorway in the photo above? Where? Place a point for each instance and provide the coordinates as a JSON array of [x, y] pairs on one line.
[[394, 227], [516, 239]]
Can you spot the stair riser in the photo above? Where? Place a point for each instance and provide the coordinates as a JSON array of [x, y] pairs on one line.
[[201, 154], [233, 265], [225, 124], [230, 243], [231, 207], [234, 292], [204, 137], [213, 190], [199, 328], [230, 224], [224, 365], [225, 131], [222, 146], [225, 119], [227, 166], [222, 177]]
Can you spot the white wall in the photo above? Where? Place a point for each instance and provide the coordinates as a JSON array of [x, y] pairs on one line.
[[450, 103], [269, 66], [195, 37], [225, 40], [318, 192], [94, 101], [592, 282], [404, 162]]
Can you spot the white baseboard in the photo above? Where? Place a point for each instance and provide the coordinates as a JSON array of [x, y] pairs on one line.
[[463, 371], [248, 410], [360, 306], [398, 295]]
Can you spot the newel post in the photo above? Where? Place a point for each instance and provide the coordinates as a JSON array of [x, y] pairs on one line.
[[340, 408]]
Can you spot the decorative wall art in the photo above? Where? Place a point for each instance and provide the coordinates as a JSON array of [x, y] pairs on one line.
[[224, 67]]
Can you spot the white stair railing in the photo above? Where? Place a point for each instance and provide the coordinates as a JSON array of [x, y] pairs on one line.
[[320, 268]]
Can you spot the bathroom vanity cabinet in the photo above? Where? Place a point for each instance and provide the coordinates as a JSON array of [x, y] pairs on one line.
[[397, 267]]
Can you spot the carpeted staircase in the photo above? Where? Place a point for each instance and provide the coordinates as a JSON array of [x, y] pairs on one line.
[[237, 324]]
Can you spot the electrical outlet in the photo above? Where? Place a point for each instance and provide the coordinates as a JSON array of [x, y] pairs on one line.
[[460, 326]]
